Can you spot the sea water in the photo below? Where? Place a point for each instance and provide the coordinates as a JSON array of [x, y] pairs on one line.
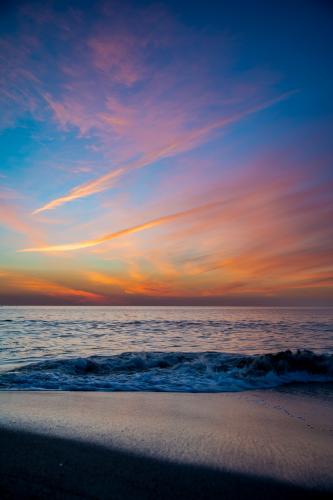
[[197, 349]]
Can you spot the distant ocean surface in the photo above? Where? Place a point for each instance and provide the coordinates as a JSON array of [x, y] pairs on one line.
[[196, 349]]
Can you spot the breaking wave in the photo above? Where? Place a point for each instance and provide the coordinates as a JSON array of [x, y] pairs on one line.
[[172, 372]]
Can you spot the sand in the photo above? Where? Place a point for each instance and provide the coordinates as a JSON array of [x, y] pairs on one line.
[[260, 444]]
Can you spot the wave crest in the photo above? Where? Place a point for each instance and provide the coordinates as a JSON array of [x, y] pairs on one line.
[[173, 371]]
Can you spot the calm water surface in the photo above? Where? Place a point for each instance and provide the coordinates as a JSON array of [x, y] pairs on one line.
[[30, 334]]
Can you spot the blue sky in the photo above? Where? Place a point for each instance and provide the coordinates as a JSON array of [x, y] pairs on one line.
[[166, 152]]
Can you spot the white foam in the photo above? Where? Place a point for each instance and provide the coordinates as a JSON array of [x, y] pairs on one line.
[[174, 372]]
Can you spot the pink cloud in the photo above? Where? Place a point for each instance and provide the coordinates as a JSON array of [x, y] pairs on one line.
[[14, 218]]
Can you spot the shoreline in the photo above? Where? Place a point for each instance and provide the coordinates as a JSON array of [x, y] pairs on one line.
[[263, 444]]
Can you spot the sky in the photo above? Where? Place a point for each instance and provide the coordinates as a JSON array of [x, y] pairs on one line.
[[166, 153]]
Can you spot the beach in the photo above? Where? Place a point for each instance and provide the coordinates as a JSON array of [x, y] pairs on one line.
[[254, 444], [166, 272]]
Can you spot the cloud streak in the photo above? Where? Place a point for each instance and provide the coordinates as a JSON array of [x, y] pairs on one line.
[[186, 142], [14, 218], [131, 114], [18, 282], [123, 232]]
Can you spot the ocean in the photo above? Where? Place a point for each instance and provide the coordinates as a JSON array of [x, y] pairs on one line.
[[178, 349]]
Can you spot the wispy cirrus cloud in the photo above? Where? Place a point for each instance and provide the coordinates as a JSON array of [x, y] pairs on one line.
[[139, 92], [18, 282], [92, 97], [134, 229], [14, 218], [186, 141]]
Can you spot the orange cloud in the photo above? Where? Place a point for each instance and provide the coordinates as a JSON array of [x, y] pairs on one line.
[[84, 190], [17, 282], [141, 227], [12, 217]]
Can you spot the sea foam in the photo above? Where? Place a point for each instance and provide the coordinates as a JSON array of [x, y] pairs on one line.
[[172, 371]]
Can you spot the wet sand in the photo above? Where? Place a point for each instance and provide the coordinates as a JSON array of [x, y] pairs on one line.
[[260, 444]]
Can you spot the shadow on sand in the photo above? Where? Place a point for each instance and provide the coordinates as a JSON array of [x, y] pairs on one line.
[[35, 466]]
